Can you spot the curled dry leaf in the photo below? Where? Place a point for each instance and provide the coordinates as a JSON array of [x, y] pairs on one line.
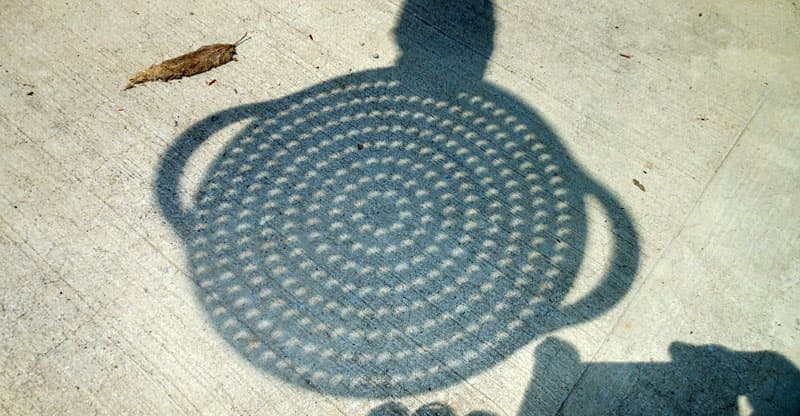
[[206, 58]]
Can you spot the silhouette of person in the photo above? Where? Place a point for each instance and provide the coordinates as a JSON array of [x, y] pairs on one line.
[[396, 230]]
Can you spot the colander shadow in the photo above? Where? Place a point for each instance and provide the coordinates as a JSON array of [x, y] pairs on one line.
[[364, 240]]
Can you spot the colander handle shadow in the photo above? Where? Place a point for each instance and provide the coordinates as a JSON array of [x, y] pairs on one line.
[[622, 266], [175, 159]]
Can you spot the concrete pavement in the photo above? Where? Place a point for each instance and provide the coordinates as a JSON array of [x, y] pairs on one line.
[[397, 207]]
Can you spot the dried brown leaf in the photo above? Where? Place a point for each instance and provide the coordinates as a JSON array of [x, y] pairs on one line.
[[206, 58]]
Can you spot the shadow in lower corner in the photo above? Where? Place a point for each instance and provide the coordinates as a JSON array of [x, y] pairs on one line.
[[699, 380]]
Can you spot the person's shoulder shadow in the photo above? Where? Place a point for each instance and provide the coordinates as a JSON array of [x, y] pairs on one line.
[[698, 380]]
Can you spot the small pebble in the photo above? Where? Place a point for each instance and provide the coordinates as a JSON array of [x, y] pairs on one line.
[[375, 55]]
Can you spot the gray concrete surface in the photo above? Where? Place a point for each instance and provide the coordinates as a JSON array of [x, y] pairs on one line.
[[626, 240]]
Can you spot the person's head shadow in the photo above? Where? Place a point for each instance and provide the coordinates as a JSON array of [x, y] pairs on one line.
[[393, 231], [439, 34]]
